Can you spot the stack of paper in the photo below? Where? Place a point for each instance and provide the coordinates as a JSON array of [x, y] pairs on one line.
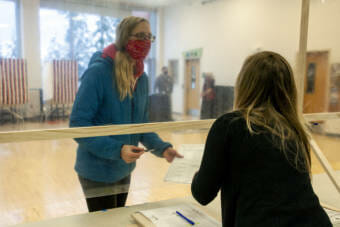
[[182, 170], [167, 216], [334, 216]]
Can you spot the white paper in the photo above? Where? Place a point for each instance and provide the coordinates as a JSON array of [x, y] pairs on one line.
[[182, 170], [167, 216], [334, 216]]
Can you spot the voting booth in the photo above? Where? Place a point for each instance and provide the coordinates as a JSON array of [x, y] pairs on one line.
[[60, 85]]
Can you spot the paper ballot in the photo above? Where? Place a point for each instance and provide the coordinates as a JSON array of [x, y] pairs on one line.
[[167, 217], [182, 170], [334, 216]]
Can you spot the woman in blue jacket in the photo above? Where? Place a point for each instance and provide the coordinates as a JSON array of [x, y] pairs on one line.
[[114, 90]]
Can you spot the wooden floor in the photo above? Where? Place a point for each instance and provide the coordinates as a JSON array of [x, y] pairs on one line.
[[37, 180]]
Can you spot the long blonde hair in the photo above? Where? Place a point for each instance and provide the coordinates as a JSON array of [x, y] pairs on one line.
[[124, 64], [266, 96]]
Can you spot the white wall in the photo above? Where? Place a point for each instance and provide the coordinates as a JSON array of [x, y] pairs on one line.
[[324, 30], [230, 30]]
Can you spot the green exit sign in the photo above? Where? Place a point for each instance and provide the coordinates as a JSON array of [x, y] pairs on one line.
[[192, 54]]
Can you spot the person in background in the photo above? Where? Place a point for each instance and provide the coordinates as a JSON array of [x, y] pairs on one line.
[[114, 90], [259, 155], [208, 97], [164, 83], [163, 88]]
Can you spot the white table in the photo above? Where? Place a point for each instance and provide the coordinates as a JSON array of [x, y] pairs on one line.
[[121, 216]]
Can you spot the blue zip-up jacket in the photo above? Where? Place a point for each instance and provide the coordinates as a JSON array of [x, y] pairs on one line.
[[97, 103]]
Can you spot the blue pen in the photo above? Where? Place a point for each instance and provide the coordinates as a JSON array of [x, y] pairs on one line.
[[185, 218]]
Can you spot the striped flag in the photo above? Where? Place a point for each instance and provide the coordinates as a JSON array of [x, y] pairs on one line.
[[65, 81], [13, 81]]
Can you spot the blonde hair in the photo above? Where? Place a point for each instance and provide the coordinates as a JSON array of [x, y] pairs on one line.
[[124, 65], [266, 96]]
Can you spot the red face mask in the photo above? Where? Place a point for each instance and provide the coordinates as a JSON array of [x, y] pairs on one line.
[[138, 49]]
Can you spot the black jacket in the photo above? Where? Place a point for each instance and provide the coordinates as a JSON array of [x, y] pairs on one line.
[[259, 187]]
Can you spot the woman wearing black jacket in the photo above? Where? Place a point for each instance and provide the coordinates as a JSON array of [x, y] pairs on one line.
[[259, 155]]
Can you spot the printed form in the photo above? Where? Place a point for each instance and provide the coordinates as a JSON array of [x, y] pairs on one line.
[[182, 170], [167, 216]]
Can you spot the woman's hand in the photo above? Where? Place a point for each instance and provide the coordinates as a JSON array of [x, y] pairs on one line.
[[169, 154], [131, 153]]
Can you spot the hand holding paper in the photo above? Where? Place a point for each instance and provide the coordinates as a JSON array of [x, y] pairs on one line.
[[182, 170]]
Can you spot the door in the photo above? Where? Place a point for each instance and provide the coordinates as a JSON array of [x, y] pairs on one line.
[[192, 87], [316, 83]]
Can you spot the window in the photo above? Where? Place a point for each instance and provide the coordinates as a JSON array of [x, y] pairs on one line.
[[9, 42], [74, 36]]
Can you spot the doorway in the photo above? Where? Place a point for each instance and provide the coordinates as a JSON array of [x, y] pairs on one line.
[[315, 98], [192, 87]]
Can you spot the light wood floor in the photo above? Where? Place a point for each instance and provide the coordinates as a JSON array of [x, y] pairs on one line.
[[37, 180]]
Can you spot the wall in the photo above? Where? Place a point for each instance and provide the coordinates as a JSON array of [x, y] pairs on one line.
[[230, 30], [324, 32]]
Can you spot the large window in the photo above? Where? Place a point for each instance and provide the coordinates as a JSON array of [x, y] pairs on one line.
[[74, 36], [9, 42]]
